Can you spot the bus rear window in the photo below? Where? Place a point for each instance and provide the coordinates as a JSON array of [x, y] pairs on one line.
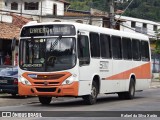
[[48, 30]]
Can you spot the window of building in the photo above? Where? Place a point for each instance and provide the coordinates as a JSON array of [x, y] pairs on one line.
[[105, 46], [54, 9], [57, 21], [31, 6], [145, 51], [144, 25], [126, 48], [155, 28], [5, 3], [83, 50], [133, 24], [95, 44], [136, 50], [116, 47], [79, 21], [14, 6]]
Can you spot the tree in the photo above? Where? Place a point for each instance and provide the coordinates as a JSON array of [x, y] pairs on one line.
[[157, 49]]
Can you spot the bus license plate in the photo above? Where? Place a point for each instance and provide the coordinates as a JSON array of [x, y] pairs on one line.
[[3, 81]]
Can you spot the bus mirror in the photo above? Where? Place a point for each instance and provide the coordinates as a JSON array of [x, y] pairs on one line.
[[13, 44], [79, 37]]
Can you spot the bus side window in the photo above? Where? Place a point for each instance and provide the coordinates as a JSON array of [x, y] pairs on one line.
[[105, 46], [95, 45], [116, 47], [83, 50], [145, 51], [136, 50], [126, 48]]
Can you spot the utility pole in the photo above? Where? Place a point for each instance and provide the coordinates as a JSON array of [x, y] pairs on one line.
[[40, 18], [111, 14], [21, 8]]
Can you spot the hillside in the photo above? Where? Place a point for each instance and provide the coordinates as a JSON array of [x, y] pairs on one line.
[[145, 9]]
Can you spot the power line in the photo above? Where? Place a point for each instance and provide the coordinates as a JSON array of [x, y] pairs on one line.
[[124, 11], [52, 9], [135, 30]]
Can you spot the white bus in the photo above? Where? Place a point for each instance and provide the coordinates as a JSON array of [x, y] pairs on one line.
[[58, 59]]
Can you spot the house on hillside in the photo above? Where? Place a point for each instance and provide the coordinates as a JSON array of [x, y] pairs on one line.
[[36, 7], [139, 25], [56, 10]]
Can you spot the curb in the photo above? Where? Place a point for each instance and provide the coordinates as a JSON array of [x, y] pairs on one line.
[[155, 86]]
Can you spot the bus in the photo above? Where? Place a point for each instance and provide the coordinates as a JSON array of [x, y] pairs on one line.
[[62, 59]]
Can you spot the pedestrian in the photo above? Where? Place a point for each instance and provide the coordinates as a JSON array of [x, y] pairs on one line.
[[7, 60]]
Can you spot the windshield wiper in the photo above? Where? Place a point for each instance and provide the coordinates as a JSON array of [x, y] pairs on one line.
[[55, 43], [51, 49]]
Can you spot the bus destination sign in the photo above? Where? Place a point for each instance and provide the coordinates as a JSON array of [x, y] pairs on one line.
[[48, 30]]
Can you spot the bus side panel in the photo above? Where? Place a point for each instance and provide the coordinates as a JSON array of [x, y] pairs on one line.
[[109, 86], [122, 72], [142, 84], [86, 75]]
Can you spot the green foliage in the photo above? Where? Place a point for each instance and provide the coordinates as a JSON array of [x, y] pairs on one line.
[[81, 4], [144, 9], [157, 49]]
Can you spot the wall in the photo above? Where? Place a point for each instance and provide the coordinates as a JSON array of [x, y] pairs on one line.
[[5, 18], [21, 7], [139, 23], [1, 4], [47, 7], [97, 21]]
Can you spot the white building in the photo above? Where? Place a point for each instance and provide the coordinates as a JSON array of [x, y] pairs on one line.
[[35, 7], [139, 25]]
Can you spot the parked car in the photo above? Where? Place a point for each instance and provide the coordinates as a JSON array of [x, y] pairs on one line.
[[9, 79]]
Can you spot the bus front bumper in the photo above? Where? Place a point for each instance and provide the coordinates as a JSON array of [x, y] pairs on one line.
[[55, 91]]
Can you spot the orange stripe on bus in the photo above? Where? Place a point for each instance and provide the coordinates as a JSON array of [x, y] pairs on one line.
[[141, 72]]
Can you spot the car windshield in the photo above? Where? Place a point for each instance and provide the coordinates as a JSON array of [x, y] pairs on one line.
[[52, 54], [8, 71]]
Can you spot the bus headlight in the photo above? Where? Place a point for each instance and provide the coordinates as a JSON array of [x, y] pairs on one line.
[[69, 80], [24, 81]]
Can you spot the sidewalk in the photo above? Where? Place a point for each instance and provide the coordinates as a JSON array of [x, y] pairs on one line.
[[155, 83]]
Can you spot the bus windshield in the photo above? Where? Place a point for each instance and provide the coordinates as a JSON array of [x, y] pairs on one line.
[[49, 54]]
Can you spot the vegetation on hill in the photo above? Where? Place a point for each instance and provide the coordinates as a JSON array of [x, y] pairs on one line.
[[145, 9]]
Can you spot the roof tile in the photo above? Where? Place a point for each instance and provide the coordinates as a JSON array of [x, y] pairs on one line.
[[9, 31]]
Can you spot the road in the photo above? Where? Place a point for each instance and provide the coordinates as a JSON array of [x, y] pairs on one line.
[[147, 100]]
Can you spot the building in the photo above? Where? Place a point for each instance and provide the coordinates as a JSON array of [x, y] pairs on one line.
[[36, 7], [10, 26], [55, 10], [139, 25]]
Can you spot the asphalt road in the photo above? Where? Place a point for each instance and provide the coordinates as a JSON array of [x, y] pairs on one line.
[[75, 108], [144, 101], [147, 100]]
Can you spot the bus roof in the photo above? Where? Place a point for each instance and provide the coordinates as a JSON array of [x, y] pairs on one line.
[[92, 28]]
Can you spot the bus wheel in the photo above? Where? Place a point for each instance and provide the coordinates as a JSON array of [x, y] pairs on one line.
[[121, 95], [45, 100], [92, 98], [130, 94]]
